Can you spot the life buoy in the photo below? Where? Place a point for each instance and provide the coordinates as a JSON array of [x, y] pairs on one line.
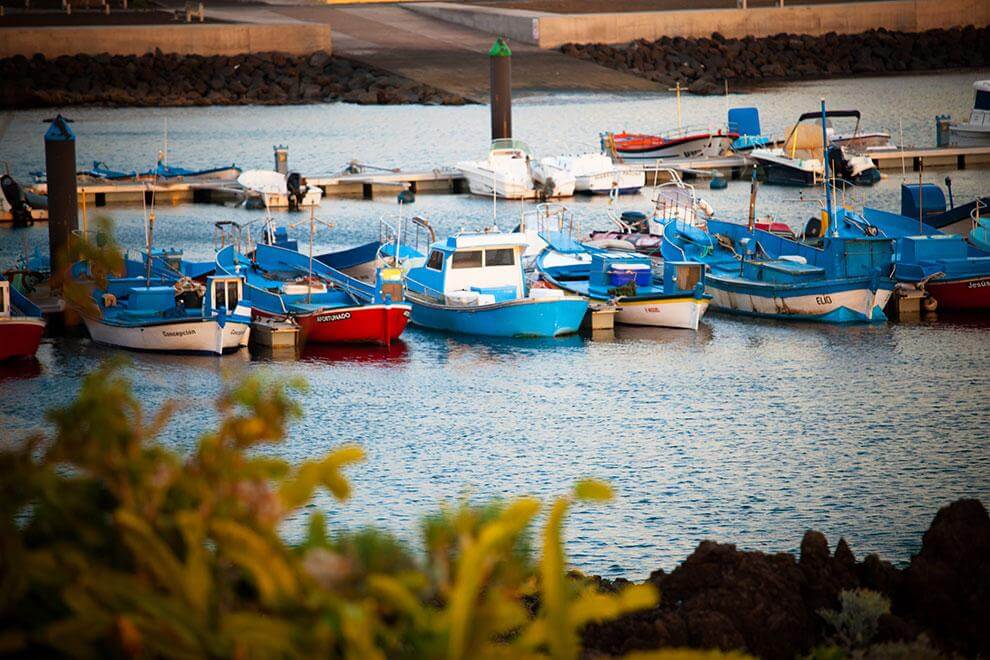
[[929, 304]]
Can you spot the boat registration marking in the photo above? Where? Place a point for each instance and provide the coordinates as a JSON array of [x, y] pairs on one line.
[[979, 284], [178, 333], [329, 318], [823, 300]]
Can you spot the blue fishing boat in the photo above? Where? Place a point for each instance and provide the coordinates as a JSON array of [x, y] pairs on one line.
[[626, 279], [161, 171], [329, 306], [829, 276], [473, 283], [153, 315], [926, 202], [953, 272]]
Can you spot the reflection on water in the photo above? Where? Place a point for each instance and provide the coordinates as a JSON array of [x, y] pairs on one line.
[[747, 431], [355, 353]]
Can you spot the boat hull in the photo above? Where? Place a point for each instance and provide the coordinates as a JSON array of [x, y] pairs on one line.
[[626, 183], [518, 318], [835, 303], [690, 147], [683, 312], [970, 294], [20, 337], [480, 182], [363, 324], [196, 336]]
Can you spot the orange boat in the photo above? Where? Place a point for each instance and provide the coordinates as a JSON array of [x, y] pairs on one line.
[[683, 143]]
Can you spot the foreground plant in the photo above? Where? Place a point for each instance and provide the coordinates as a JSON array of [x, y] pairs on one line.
[[115, 544]]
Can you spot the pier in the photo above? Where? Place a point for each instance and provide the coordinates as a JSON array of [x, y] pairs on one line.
[[448, 180]]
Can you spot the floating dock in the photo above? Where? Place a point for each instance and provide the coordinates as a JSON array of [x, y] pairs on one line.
[[446, 180]]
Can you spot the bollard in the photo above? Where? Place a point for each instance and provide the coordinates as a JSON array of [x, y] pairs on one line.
[[282, 159], [60, 166], [500, 58]]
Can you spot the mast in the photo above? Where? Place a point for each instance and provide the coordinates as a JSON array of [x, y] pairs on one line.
[[828, 191]]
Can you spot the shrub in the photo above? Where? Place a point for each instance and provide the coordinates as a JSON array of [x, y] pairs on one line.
[[856, 623], [114, 544]]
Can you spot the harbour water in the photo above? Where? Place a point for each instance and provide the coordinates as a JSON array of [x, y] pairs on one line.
[[746, 431]]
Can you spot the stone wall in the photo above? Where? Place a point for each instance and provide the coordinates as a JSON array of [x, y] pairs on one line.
[[296, 38], [554, 30]]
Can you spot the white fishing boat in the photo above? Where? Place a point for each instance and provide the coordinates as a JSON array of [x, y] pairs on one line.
[[975, 132], [183, 317], [597, 174], [505, 172]]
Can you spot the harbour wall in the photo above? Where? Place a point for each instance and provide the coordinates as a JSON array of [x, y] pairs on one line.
[[298, 38], [554, 30]]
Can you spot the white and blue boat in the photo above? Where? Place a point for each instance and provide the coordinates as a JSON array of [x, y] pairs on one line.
[[626, 279], [153, 315], [473, 283], [830, 276]]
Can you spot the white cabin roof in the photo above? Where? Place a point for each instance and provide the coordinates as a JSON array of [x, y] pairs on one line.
[[494, 239], [982, 85]]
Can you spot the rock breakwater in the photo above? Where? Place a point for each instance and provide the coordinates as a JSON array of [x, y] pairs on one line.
[[703, 64], [158, 79], [770, 605]]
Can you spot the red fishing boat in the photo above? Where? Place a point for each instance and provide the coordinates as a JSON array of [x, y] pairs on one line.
[[358, 324], [21, 324], [961, 295]]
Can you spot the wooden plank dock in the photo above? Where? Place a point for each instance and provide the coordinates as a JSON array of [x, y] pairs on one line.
[[446, 180]]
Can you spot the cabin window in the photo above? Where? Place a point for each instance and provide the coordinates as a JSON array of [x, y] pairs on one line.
[[220, 295], [982, 100], [436, 260], [232, 295], [470, 259], [500, 257]]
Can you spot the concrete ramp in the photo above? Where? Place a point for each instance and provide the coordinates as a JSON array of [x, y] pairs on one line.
[[454, 57]]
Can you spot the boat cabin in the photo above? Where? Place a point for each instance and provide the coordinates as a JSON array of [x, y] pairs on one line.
[[133, 296], [484, 267]]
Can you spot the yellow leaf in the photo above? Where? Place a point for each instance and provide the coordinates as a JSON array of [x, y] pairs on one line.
[[592, 489]]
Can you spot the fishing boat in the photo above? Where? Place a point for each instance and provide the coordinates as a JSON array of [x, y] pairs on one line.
[[597, 174], [168, 264], [21, 324], [473, 283], [953, 272], [161, 171], [672, 200], [505, 172], [687, 142], [626, 279], [976, 131], [154, 315], [283, 283], [829, 276], [926, 202], [800, 162]]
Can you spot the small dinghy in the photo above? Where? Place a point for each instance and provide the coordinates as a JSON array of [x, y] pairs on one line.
[[180, 317], [270, 189], [473, 283], [682, 143], [161, 172], [21, 324]]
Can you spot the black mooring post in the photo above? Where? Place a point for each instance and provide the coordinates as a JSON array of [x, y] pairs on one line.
[[501, 89], [63, 204]]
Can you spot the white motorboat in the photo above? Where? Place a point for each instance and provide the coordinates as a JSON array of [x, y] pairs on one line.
[[552, 178], [597, 174], [975, 132], [505, 172], [267, 188]]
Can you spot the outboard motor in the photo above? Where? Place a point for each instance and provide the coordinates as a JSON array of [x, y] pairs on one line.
[[20, 211], [296, 189]]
